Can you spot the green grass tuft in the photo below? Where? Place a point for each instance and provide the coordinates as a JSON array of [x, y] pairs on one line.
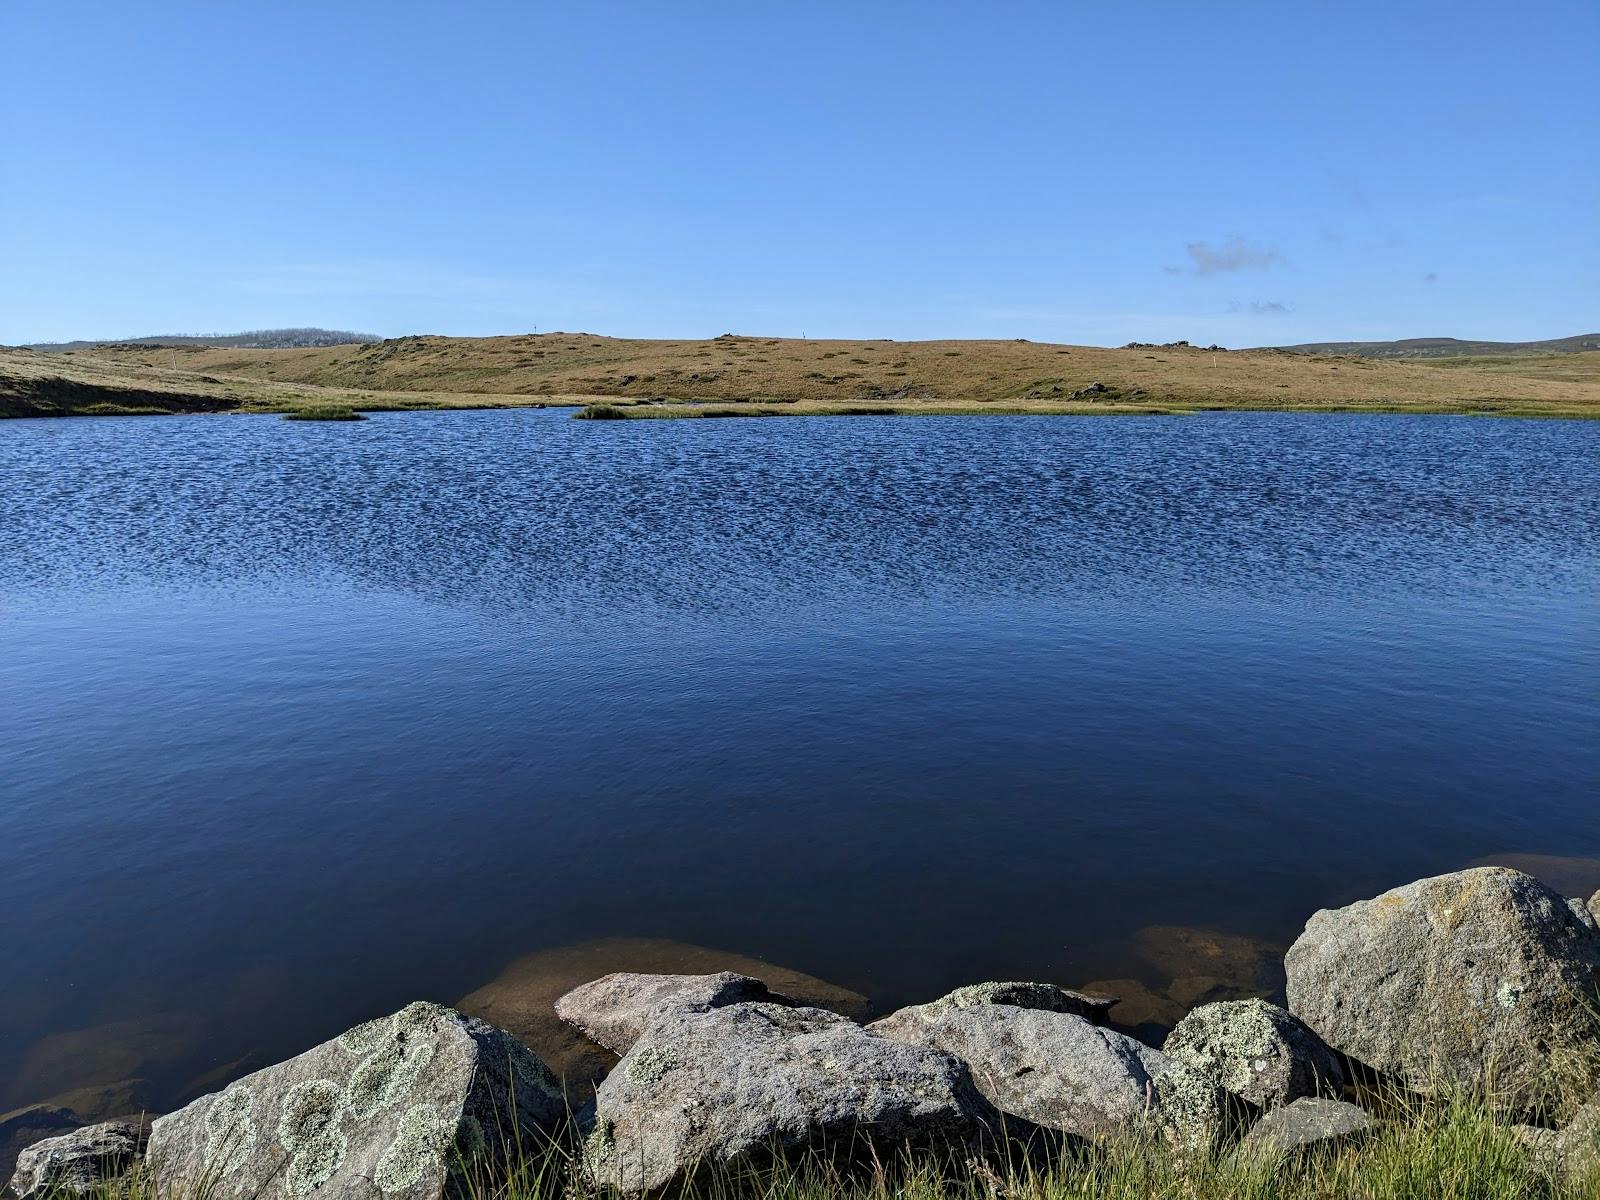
[[324, 412]]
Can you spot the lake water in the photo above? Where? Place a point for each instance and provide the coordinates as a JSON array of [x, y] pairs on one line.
[[301, 722]]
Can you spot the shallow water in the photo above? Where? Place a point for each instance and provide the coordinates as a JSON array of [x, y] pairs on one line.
[[304, 721]]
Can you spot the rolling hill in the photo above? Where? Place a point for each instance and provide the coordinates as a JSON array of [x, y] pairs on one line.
[[1448, 347]]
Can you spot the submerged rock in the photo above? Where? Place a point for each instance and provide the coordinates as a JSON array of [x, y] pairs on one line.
[[112, 1056], [1139, 1007], [1472, 979], [1046, 997], [386, 1108], [1244, 965], [79, 1161], [734, 1084], [614, 1010], [1309, 1121], [1257, 1051], [522, 998]]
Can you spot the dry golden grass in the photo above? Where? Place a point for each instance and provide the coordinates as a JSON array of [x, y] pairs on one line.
[[760, 376]]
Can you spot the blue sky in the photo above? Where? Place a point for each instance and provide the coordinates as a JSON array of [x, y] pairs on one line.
[[1246, 173]]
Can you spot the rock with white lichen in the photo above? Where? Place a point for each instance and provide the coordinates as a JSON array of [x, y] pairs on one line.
[[614, 1010], [1477, 979], [1054, 1069], [1594, 907], [389, 1110], [1046, 997], [1257, 1051], [80, 1161], [734, 1085]]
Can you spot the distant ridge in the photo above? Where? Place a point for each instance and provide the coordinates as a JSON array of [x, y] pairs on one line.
[[255, 339], [1445, 347]]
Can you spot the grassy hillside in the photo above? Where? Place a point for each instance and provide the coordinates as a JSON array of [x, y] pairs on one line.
[[1449, 347], [757, 376], [255, 339], [53, 385]]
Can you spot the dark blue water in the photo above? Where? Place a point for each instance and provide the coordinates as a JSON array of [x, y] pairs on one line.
[[299, 722]]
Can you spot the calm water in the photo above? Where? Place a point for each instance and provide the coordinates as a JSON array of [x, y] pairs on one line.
[[300, 722]]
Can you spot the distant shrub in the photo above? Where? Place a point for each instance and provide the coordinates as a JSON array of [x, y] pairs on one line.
[[324, 412], [601, 412]]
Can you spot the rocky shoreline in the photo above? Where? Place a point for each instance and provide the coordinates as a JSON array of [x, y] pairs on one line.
[[1482, 982]]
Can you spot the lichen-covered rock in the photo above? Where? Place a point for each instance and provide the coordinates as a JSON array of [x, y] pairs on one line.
[[1054, 1069], [1581, 910], [1192, 1112], [78, 1161], [733, 1084], [388, 1109], [614, 1010], [1472, 979], [1594, 907], [1256, 1051], [1046, 997], [1309, 1121]]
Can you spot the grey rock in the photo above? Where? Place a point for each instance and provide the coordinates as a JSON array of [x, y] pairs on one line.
[[386, 1109], [614, 1010], [1047, 997], [78, 1161], [1581, 910], [1054, 1069], [1478, 976], [1572, 1153], [732, 1084], [1543, 1146], [1578, 1147], [1309, 1121], [22, 1127], [1594, 907], [1257, 1051]]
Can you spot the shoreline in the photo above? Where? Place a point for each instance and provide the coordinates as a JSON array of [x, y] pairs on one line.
[[608, 408], [1456, 1001]]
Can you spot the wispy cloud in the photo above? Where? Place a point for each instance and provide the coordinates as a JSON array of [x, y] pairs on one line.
[[1235, 254], [1263, 308]]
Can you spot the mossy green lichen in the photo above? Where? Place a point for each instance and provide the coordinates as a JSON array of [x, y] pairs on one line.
[[315, 1162], [367, 1037], [600, 1145], [231, 1130], [421, 1138], [649, 1066], [309, 1108], [384, 1077]]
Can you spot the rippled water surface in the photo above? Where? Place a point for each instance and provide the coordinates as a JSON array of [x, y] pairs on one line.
[[299, 722]]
